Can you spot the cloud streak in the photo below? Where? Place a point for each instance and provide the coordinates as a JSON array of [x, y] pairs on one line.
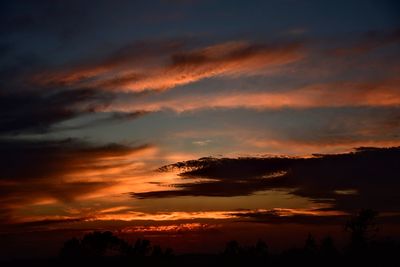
[[337, 94], [139, 67]]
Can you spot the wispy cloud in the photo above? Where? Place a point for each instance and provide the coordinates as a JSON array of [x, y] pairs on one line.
[[166, 65], [335, 94]]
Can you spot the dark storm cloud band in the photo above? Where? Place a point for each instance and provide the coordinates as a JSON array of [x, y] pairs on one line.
[[367, 177]]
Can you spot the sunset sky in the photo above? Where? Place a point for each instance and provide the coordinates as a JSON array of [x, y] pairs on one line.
[[190, 121]]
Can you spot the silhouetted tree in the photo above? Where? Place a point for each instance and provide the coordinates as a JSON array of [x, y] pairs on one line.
[[169, 252], [232, 248], [142, 247], [310, 245], [105, 249], [71, 249], [362, 228], [261, 248], [99, 244], [94, 245], [157, 251], [327, 247]]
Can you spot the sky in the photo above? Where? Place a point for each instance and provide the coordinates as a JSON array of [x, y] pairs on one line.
[[196, 121]]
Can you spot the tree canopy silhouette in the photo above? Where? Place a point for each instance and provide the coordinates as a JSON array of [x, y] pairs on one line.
[[362, 228]]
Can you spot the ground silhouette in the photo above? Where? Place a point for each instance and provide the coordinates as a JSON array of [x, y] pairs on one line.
[[107, 249]]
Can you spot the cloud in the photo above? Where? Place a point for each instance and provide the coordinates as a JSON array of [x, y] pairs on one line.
[[38, 96], [167, 64], [37, 111], [34, 171], [335, 94], [226, 59], [304, 217], [174, 228], [46, 222], [346, 181], [282, 216], [126, 59], [273, 216], [106, 118]]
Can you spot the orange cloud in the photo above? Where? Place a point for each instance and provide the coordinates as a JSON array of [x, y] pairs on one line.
[[226, 59], [168, 68], [385, 93], [306, 148], [182, 227], [60, 172], [162, 217]]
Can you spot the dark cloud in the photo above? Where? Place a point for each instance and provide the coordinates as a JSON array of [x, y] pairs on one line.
[[35, 111], [37, 94], [44, 159], [367, 177], [110, 117], [120, 116], [33, 170], [47, 222], [276, 217], [231, 177], [28, 106]]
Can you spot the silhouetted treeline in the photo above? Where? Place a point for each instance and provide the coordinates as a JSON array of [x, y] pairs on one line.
[[106, 249], [105, 244]]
